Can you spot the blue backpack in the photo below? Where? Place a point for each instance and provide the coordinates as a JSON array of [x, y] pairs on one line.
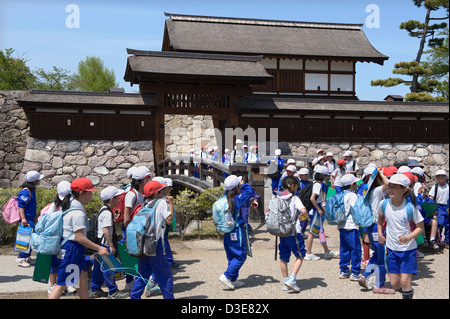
[[222, 216], [48, 233], [141, 232], [362, 212], [335, 208]]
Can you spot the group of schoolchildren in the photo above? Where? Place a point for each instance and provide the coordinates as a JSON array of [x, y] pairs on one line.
[[395, 198], [390, 237], [70, 267]]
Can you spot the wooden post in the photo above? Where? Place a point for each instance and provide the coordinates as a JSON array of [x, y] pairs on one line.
[[160, 135]]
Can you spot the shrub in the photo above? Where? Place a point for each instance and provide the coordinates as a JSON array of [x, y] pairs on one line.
[[44, 196]]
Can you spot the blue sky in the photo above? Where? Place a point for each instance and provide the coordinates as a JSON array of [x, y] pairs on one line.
[[37, 30]]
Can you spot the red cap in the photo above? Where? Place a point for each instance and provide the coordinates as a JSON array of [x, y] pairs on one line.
[[152, 187], [411, 177], [388, 171], [341, 162], [82, 185]]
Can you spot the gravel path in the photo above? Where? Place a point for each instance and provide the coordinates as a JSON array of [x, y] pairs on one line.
[[203, 261]]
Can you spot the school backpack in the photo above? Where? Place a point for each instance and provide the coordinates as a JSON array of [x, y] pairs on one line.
[[305, 196], [141, 232], [335, 208], [278, 218], [223, 216], [118, 211], [48, 233], [10, 211], [92, 229], [362, 212]]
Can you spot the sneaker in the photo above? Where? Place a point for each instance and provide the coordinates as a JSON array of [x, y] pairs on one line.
[[118, 295], [226, 281], [97, 294], [154, 291], [331, 254], [292, 284], [285, 288], [175, 265], [311, 257], [343, 275], [22, 262], [71, 289], [354, 277], [50, 289], [362, 281], [433, 245], [420, 255]]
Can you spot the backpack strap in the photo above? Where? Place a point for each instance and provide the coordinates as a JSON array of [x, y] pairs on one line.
[[384, 204], [64, 214], [409, 211]]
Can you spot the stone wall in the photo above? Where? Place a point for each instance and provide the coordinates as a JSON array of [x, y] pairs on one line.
[[13, 137], [103, 162]]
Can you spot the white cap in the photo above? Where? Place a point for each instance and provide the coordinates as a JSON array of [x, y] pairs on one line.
[[169, 182], [291, 161], [232, 181], [400, 179], [227, 150], [403, 169], [348, 153], [321, 169], [348, 179], [417, 170], [63, 189], [369, 170], [239, 141], [329, 153], [33, 176], [130, 171], [440, 172], [110, 192], [303, 171], [291, 168], [140, 173], [277, 152], [161, 180]]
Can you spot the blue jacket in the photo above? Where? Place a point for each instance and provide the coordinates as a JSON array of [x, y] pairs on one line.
[[27, 200]]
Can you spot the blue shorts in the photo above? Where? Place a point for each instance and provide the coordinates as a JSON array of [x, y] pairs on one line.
[[402, 262], [288, 245], [71, 263]]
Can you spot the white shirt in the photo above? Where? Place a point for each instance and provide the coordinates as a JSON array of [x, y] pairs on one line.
[[161, 213], [349, 166], [317, 189], [442, 194], [349, 200], [74, 220], [397, 224], [376, 196], [105, 220], [133, 198], [337, 173]]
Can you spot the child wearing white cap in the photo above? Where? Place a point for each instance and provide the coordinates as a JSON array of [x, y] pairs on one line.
[[439, 193], [351, 167], [350, 244], [235, 241], [401, 247], [27, 209], [275, 168], [108, 239]]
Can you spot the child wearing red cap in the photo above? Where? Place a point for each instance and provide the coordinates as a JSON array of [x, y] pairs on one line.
[[72, 269], [158, 264], [336, 176]]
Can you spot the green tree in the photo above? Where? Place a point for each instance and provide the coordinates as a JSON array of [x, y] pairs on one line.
[[416, 69], [93, 75], [56, 79], [14, 72]]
